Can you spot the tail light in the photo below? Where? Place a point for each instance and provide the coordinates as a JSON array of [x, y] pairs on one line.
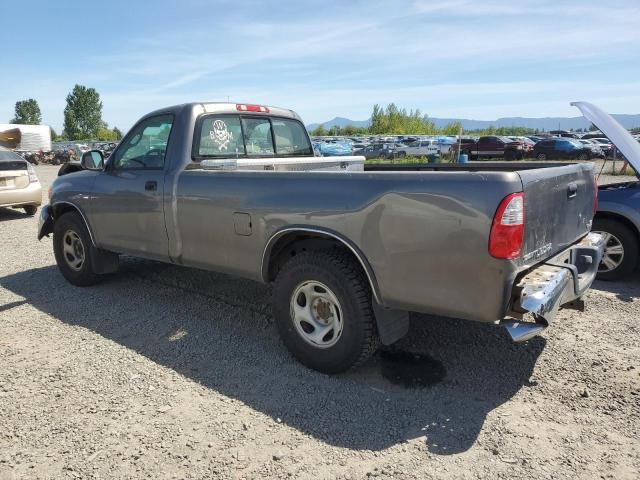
[[241, 107], [595, 195], [32, 174], [507, 230]]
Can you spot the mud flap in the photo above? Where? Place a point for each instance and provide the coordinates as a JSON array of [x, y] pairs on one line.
[[103, 261], [392, 324]]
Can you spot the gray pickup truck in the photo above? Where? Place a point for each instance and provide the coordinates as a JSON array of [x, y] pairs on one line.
[[351, 250]]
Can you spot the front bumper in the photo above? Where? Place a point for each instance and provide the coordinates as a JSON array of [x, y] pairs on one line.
[[560, 281], [45, 222]]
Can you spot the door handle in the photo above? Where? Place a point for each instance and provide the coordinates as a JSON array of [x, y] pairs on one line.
[[151, 186], [572, 190]]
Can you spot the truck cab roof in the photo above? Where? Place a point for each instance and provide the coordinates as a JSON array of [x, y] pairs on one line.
[[229, 108]]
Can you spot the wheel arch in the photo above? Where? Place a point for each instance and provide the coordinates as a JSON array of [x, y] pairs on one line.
[[619, 218], [284, 243], [61, 207]]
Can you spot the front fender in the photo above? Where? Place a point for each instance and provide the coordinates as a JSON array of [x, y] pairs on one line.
[[45, 222]]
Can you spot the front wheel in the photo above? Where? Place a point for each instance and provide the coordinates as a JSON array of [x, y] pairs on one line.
[[73, 250], [322, 307], [583, 157], [541, 156], [620, 256]]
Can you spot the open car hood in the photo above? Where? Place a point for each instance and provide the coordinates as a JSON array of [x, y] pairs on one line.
[[615, 132]]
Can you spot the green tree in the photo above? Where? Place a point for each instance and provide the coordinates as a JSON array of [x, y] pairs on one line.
[[397, 121], [27, 112], [106, 135], [453, 128], [83, 113], [53, 133], [319, 131], [117, 133]]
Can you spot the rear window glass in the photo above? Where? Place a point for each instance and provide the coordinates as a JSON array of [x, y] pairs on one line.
[[257, 136], [9, 155], [291, 137], [236, 136], [221, 136], [11, 165]]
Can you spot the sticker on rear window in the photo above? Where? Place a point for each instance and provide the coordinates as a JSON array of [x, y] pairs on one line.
[[221, 135]]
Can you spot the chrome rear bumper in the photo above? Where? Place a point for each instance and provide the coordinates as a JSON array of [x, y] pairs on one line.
[[560, 281]]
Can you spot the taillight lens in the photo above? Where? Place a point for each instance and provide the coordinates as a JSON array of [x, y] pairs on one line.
[[507, 230], [32, 174], [595, 195]]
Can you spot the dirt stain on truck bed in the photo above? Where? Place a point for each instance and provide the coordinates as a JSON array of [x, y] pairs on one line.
[[410, 370]]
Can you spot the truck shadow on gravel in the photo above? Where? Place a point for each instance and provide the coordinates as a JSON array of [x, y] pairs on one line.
[[218, 331], [626, 290]]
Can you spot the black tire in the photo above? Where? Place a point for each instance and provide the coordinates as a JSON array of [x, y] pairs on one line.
[[345, 279], [509, 156], [583, 157], [30, 210], [629, 241], [402, 154], [541, 156], [72, 223]]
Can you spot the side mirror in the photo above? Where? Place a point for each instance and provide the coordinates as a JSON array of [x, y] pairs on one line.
[[92, 160]]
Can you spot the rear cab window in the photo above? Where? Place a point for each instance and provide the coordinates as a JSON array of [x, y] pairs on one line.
[[236, 136]]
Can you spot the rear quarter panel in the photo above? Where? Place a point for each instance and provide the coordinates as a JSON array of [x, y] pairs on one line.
[[425, 235]]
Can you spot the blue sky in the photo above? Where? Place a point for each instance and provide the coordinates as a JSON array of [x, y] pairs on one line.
[[458, 58]]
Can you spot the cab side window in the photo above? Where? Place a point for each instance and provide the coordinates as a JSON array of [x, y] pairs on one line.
[[146, 146]]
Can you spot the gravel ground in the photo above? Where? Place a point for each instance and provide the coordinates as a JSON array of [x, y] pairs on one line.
[[162, 372]]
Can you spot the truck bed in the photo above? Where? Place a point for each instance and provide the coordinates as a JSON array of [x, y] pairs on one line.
[[456, 167]]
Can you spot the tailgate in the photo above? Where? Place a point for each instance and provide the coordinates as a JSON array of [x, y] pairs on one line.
[[12, 179], [559, 205]]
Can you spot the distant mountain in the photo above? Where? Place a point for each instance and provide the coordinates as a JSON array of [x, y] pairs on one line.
[[547, 123], [340, 122]]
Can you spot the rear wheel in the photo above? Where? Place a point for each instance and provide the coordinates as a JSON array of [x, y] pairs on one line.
[[322, 307], [73, 250], [30, 210], [621, 249], [541, 156]]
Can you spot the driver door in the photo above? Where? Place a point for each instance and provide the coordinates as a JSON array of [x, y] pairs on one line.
[[127, 211]]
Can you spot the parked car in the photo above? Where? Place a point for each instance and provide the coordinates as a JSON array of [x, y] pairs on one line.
[[380, 150], [523, 139], [618, 214], [349, 252], [560, 148], [335, 148], [19, 184], [419, 148], [605, 145], [594, 146], [492, 146]]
